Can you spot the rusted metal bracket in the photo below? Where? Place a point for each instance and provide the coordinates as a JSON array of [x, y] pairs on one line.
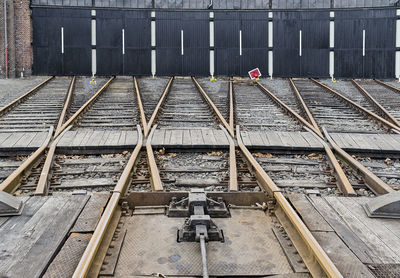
[[381, 120], [11, 184], [386, 114], [155, 174]]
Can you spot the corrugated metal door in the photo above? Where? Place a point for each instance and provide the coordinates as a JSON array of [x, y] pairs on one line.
[[168, 43], [109, 25], [195, 35], [77, 42], [365, 43], [254, 30], [47, 52], [137, 44], [227, 43], [301, 44]]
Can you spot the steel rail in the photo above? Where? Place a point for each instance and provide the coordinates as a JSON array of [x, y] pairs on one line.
[[305, 107], [213, 107], [83, 107], [119, 191], [67, 102], [273, 190], [357, 106], [155, 174], [141, 110], [343, 182], [382, 110], [288, 109], [42, 187], [159, 104], [21, 98], [11, 184], [231, 105], [371, 180], [233, 180], [391, 87]]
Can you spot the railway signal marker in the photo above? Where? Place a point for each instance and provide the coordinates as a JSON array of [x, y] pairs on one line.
[[255, 74]]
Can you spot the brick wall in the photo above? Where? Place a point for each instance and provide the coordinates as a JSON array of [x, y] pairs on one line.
[[19, 38]]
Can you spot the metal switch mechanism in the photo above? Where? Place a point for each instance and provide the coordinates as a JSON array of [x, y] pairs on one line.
[[199, 227]]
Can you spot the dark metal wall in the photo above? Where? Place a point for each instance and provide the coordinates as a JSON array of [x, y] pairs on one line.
[[314, 57], [229, 58], [380, 36], [48, 56], [191, 58]]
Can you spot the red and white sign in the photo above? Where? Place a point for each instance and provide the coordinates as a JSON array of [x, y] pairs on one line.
[[255, 73]]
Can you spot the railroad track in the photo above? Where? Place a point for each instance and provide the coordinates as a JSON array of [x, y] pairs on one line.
[[256, 111], [39, 110], [115, 109], [333, 113], [185, 107], [218, 91], [11, 90]]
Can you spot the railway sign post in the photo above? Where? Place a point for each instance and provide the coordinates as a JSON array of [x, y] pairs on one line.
[[255, 74]]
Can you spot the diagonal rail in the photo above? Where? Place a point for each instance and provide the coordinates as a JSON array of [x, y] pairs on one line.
[[119, 191], [382, 110], [67, 102], [233, 180], [24, 96], [159, 104], [288, 109], [83, 107], [391, 87], [140, 104], [11, 184], [273, 190], [305, 107], [154, 173], [213, 107], [386, 123]]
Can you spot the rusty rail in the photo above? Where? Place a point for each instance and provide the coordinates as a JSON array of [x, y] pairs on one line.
[[233, 180], [382, 110], [141, 110], [43, 186], [67, 102], [213, 107], [391, 87], [371, 180], [119, 191], [231, 105], [273, 190], [11, 184], [159, 104], [155, 174], [83, 107], [386, 123], [305, 107], [288, 109], [27, 94]]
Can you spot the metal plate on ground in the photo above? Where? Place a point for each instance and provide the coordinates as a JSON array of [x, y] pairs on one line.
[[250, 247], [68, 258]]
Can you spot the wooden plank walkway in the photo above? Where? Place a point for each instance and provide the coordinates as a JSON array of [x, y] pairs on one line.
[[275, 140], [190, 138], [372, 143], [348, 235], [30, 241], [98, 140]]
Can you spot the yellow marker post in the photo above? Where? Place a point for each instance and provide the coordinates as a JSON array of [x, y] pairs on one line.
[[93, 82], [213, 78]]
